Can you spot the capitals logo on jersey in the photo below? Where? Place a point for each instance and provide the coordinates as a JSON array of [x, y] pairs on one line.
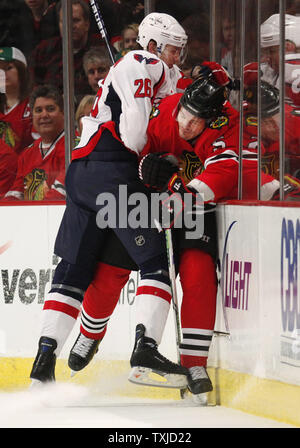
[[140, 58]]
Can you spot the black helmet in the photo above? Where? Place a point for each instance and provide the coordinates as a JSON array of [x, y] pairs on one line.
[[269, 98], [204, 98]]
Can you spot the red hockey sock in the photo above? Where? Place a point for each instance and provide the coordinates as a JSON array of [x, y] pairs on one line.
[[101, 299], [199, 285]]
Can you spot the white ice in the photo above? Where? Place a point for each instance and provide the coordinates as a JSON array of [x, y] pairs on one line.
[[67, 405]]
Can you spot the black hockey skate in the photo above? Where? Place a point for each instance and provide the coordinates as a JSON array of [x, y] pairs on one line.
[[43, 369], [199, 383], [150, 368], [82, 352]]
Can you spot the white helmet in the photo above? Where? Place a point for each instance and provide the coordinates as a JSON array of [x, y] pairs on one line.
[[163, 29], [270, 30]]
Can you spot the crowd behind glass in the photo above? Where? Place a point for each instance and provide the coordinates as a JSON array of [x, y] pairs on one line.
[[32, 137]]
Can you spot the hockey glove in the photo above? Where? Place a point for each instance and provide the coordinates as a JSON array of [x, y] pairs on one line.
[[179, 201], [212, 69], [155, 170]]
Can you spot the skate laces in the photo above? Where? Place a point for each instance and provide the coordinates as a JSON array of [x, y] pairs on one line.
[[198, 372], [83, 345]]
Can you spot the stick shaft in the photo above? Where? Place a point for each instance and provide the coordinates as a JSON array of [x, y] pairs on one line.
[[101, 26]]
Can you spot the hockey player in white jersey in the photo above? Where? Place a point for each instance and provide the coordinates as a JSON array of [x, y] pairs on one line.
[[161, 34], [270, 44], [105, 158]]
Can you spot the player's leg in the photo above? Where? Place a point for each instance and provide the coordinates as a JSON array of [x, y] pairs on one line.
[[199, 287], [71, 279], [98, 305]]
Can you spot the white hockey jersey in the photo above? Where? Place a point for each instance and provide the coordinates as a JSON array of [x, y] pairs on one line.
[[292, 78], [124, 101]]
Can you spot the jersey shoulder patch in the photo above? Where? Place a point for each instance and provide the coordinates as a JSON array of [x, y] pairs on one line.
[[140, 58], [154, 112], [219, 122], [251, 120]]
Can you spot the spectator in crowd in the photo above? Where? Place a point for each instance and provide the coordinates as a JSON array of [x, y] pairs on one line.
[[40, 22], [197, 30], [8, 167], [15, 116], [128, 41], [228, 40], [96, 64], [47, 63], [8, 158], [83, 110], [41, 166]]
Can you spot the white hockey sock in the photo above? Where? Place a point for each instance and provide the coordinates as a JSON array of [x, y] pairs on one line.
[[59, 316], [152, 307]]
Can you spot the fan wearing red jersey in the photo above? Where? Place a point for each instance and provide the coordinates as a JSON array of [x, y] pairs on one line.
[[15, 117], [8, 167], [41, 166]]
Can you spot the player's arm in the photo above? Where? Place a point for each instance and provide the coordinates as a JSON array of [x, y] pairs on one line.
[[137, 83]]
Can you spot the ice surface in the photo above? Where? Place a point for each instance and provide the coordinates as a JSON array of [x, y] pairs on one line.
[[67, 405]]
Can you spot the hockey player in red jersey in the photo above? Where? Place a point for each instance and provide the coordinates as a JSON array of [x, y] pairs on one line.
[[105, 158], [41, 166], [200, 121], [270, 135]]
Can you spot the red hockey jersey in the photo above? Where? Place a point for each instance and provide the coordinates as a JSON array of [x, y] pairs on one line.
[[16, 127], [216, 147], [8, 167], [40, 177]]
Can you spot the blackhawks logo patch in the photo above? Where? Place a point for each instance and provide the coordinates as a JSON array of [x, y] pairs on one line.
[[189, 166], [34, 185], [154, 112], [251, 120], [219, 122]]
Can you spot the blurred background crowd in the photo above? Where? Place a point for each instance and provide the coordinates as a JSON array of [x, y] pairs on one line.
[[32, 121]]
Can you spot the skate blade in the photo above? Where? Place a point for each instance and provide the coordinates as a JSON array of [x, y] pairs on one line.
[[73, 373], [195, 399], [35, 384], [147, 377], [200, 399]]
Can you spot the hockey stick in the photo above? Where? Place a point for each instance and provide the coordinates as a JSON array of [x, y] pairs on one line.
[[172, 275], [101, 26]]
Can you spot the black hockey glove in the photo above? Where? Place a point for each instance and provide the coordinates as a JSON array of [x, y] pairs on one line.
[[155, 170]]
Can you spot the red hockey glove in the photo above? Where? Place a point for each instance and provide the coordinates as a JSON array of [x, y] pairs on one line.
[[251, 74], [214, 70], [155, 170]]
